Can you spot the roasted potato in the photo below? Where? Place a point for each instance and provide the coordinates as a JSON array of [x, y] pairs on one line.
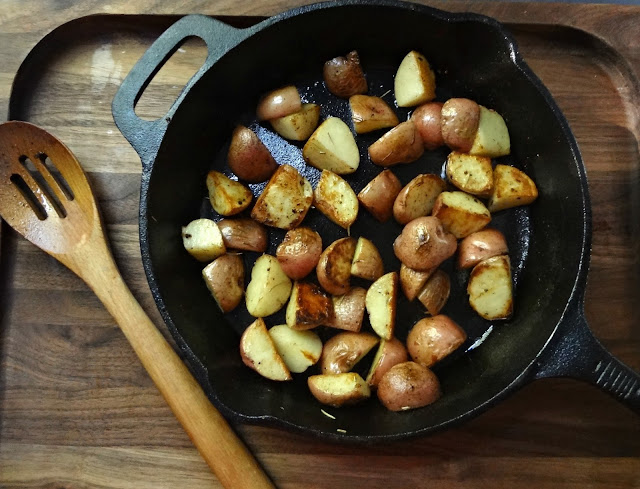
[[389, 353], [203, 240], [224, 278], [341, 352], [432, 339], [335, 198], [471, 174], [416, 199], [492, 137], [309, 306], [367, 262], [339, 389], [408, 385], [348, 310], [370, 113], [479, 246], [269, 288], [412, 281], [379, 195], [299, 125], [511, 188], [332, 147], [299, 252], [415, 82], [298, 349], [461, 214], [435, 293], [424, 244], [490, 289], [285, 200], [279, 103], [248, 157], [227, 196], [380, 301], [427, 119], [402, 144], [344, 77], [334, 268], [243, 234], [258, 352], [460, 118]]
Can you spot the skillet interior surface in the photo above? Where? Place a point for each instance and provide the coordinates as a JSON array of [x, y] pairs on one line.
[[472, 58]]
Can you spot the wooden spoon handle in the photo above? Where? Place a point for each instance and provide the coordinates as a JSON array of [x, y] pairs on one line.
[[223, 451]]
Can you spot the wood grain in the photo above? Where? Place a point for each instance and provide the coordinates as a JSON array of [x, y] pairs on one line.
[[76, 408]]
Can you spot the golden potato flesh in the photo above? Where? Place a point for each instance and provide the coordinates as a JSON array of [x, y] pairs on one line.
[[412, 281], [259, 352], [334, 268], [490, 288], [460, 213], [381, 304], [367, 262], [227, 196], [370, 113], [299, 125], [335, 198], [492, 136], [512, 188], [415, 81], [309, 306], [348, 310], [471, 174], [339, 389]]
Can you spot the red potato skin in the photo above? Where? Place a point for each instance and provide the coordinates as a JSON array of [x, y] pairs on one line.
[[299, 252], [432, 339], [227, 277], [408, 385], [344, 77], [424, 244], [380, 194], [278, 103], [341, 352], [460, 118], [402, 144], [248, 157], [349, 311], [243, 234], [479, 246], [334, 267], [428, 121], [394, 352]]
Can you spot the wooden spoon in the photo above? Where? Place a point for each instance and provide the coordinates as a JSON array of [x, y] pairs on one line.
[[56, 211]]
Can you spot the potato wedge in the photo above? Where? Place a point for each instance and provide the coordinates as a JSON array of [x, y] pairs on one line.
[[343, 75], [471, 174], [224, 278], [379, 195], [415, 82], [243, 234], [435, 293], [299, 125], [285, 200], [334, 268], [348, 310], [335, 198], [258, 352], [332, 147], [490, 289], [370, 113], [309, 306], [279, 103], [408, 385], [390, 352], [380, 302], [460, 118], [479, 246], [269, 288], [402, 144], [412, 281], [248, 157], [203, 240], [367, 262], [424, 244], [428, 121], [432, 339], [512, 188], [416, 199], [344, 350], [298, 349], [227, 196], [492, 137], [299, 252], [461, 214], [339, 389]]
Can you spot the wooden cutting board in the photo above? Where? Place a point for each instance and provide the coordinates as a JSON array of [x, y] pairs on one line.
[[78, 411]]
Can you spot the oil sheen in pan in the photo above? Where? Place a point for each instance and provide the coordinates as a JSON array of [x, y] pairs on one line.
[[514, 223]]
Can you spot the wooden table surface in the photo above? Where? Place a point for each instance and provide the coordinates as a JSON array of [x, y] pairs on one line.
[[78, 411]]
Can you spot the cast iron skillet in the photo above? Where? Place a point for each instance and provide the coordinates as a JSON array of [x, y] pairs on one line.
[[474, 57]]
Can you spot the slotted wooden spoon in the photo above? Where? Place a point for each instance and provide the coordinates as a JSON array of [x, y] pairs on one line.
[[46, 197]]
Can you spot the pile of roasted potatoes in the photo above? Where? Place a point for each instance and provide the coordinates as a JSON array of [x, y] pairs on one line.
[[440, 217]]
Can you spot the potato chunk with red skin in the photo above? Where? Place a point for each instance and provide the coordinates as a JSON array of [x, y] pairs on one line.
[[424, 244], [299, 252], [408, 385], [432, 339], [379, 195]]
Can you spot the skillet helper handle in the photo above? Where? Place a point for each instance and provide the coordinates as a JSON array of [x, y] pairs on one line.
[[222, 449], [145, 136], [580, 355]]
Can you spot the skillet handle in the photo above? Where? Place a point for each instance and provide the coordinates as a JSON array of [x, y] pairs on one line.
[[146, 136], [580, 355]]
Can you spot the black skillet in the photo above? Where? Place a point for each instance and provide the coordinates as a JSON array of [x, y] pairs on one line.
[[473, 57]]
